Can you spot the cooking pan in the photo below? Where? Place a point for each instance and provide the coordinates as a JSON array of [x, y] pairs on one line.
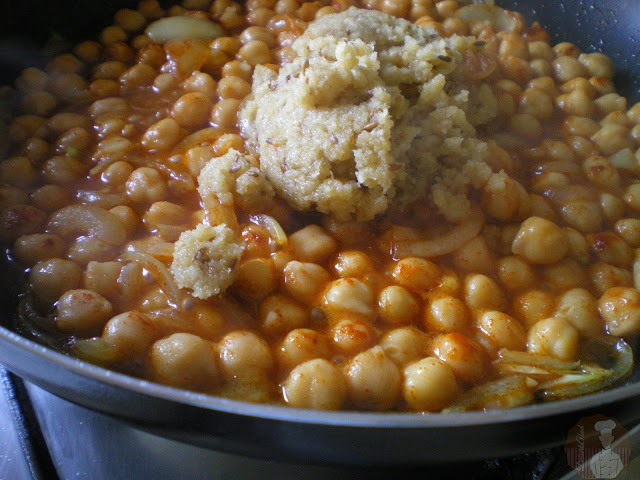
[[610, 26]]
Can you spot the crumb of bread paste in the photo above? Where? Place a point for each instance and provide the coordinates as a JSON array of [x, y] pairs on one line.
[[372, 112], [204, 259]]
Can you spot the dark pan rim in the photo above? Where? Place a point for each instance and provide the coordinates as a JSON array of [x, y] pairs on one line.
[[315, 417]]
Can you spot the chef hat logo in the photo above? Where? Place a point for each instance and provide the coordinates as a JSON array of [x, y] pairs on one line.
[[598, 447], [605, 427]]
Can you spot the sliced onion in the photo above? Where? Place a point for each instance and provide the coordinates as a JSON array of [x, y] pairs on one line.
[[461, 234], [533, 359], [537, 373], [271, 225], [592, 378], [183, 27], [95, 350], [163, 251], [507, 392], [158, 271]]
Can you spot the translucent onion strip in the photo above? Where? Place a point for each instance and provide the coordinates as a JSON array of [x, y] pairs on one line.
[[95, 350], [271, 225], [507, 392], [592, 378], [447, 243], [535, 360], [158, 271]]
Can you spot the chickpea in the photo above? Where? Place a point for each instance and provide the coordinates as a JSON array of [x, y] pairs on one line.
[[349, 295], [632, 196], [11, 196], [374, 381], [233, 87], [131, 333], [352, 336], [446, 314], [502, 330], [140, 75], [464, 356], [224, 114], [63, 169], [245, 355], [303, 281], [151, 9], [525, 125], [604, 276], [49, 198], [537, 103], [129, 20], [612, 138], [49, 279], [564, 275], [38, 103], [580, 126], [577, 102], [609, 103], [316, 384], [583, 215], [301, 345], [515, 274], [255, 278], [429, 385], [75, 140], [185, 360], [610, 248], [612, 206], [127, 216], [601, 173], [580, 309], [18, 171], [34, 248], [532, 306], [202, 83], [597, 64], [540, 241], [102, 278], [416, 273], [146, 185], [192, 109], [352, 263], [255, 52], [629, 230], [131, 280], [481, 293], [81, 311], [279, 314], [620, 309], [19, 220], [554, 336], [396, 305], [311, 244]]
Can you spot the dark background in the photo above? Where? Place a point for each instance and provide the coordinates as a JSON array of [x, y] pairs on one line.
[[609, 26]]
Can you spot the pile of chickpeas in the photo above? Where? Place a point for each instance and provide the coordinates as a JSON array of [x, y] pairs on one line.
[[99, 182]]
